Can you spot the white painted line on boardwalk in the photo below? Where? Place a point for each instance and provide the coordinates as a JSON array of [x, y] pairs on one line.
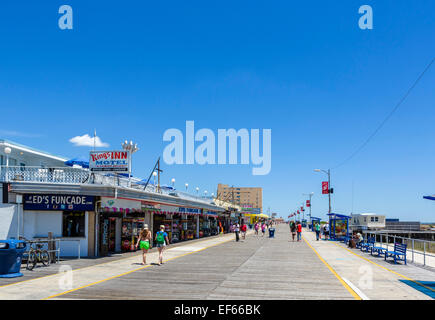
[[356, 289]]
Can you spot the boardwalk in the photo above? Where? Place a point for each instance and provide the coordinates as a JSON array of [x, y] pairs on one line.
[[220, 268]]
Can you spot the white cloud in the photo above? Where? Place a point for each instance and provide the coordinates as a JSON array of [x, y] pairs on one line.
[[87, 141]]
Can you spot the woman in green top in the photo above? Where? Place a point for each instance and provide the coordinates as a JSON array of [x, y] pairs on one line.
[[144, 242]]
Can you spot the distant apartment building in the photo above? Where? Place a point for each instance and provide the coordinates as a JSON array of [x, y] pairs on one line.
[[247, 197], [367, 221], [395, 224]]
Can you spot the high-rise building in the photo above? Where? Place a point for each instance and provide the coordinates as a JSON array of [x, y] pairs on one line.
[[250, 197]]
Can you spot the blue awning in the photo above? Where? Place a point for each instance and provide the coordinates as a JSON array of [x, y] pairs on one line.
[[81, 161], [429, 197], [339, 216]]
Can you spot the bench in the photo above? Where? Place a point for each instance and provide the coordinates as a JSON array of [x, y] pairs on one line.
[[399, 253], [378, 250], [345, 239], [366, 246]]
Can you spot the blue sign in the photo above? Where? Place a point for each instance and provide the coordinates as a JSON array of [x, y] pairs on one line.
[[58, 202], [188, 210]]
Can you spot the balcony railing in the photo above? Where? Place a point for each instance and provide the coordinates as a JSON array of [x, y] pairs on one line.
[[66, 175]]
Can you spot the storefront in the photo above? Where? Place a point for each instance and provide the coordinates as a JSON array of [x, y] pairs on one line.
[[208, 224], [68, 217], [120, 222]]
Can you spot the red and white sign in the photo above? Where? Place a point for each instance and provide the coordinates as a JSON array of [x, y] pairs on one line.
[[109, 161], [325, 187], [308, 203]]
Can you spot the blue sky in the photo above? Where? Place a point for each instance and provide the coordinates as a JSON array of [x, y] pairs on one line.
[[303, 69]]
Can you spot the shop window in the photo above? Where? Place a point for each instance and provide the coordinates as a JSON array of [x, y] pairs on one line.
[[73, 224]]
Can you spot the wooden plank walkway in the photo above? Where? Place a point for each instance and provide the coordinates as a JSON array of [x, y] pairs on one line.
[[258, 268]]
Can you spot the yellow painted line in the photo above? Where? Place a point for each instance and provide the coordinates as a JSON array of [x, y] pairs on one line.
[[95, 265], [131, 271], [396, 273], [352, 292]]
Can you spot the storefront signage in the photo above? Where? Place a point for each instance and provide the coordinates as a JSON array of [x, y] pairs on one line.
[[58, 202], [109, 161], [121, 204], [189, 210]]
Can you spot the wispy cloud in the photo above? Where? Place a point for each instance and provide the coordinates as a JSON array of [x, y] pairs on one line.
[[87, 141], [11, 133]]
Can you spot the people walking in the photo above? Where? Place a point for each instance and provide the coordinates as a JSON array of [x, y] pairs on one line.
[[243, 228], [256, 227], [237, 230], [293, 229], [144, 242], [299, 230], [162, 241], [317, 231], [263, 228]]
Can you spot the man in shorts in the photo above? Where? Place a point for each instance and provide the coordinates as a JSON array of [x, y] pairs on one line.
[[326, 231]]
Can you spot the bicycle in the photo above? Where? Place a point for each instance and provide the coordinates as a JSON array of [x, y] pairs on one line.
[[37, 255]]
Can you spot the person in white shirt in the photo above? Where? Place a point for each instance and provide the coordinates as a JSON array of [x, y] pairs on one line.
[[326, 231], [237, 230]]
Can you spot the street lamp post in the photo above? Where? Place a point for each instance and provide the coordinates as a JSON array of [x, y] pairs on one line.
[[186, 186], [131, 148], [329, 185], [154, 178], [173, 183], [310, 195], [197, 190], [8, 152]]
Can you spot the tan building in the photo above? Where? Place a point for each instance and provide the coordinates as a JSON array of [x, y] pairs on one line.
[[242, 196]]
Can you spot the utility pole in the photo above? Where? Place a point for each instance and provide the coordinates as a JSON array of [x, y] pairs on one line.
[[329, 188], [158, 175], [310, 195], [329, 185]]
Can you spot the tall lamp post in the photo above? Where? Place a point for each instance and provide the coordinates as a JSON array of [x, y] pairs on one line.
[[329, 185], [154, 178], [187, 185], [173, 182], [131, 148], [310, 195], [8, 152]]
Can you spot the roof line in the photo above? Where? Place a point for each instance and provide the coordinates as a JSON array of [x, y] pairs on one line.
[[31, 150]]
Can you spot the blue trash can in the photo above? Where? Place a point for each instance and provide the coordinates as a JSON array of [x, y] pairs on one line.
[[11, 254], [271, 232]]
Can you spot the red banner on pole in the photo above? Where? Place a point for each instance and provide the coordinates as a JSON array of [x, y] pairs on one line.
[[308, 203], [325, 187]]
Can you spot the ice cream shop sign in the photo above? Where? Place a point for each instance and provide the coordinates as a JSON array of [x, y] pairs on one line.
[[109, 161], [120, 205]]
